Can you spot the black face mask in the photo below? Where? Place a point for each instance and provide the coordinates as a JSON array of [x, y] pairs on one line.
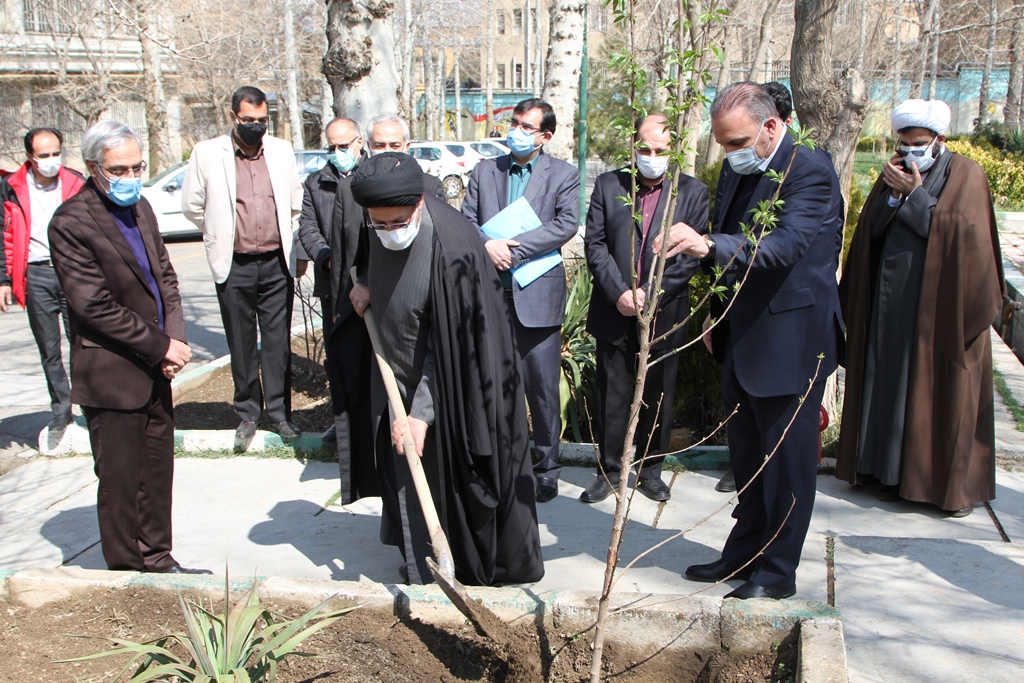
[[251, 133]]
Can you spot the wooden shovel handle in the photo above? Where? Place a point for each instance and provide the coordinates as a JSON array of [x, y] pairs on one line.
[[442, 551]]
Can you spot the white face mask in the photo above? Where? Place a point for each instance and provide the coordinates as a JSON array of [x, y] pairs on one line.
[[402, 238], [48, 167], [923, 156], [745, 161], [652, 167]]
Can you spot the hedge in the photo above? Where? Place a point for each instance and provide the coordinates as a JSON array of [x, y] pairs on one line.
[[1005, 173]]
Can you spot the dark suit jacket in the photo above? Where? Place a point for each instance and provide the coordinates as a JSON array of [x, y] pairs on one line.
[[787, 311], [318, 192], [609, 255], [117, 345], [553, 192]]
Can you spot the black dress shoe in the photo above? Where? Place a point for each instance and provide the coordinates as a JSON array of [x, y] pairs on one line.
[[655, 489], [330, 436], [597, 491], [716, 571], [58, 423], [547, 489], [286, 429], [186, 570], [752, 590], [243, 436], [962, 512], [727, 484]]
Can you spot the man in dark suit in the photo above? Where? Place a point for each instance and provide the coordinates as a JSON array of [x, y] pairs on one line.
[[331, 230], [552, 188], [781, 338], [128, 337], [613, 240]]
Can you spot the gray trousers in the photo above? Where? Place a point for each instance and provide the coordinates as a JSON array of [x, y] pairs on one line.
[[540, 350], [45, 304]]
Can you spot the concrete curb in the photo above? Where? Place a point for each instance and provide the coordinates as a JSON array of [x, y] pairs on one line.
[[667, 621]]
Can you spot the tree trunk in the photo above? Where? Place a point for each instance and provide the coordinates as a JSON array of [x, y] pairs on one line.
[[1012, 114], [458, 96], [712, 150], [562, 73], [764, 41], [440, 83], [291, 62], [834, 107], [360, 58], [986, 72], [156, 100], [326, 109], [408, 57], [489, 76], [933, 78], [927, 22], [429, 101]]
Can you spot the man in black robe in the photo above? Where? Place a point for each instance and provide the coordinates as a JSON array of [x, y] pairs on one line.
[[446, 331]]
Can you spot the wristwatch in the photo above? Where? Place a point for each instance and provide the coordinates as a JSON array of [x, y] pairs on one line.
[[712, 248]]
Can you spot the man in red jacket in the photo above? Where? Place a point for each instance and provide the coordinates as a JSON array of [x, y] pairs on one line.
[[29, 197]]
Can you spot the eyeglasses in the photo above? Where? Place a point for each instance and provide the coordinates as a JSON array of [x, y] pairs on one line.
[[390, 226], [516, 123], [122, 172], [343, 147], [904, 150]]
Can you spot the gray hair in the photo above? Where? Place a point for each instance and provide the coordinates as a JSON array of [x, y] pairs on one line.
[[387, 118], [344, 119], [754, 99], [103, 136]]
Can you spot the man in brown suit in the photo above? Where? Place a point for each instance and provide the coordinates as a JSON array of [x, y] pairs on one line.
[[128, 342]]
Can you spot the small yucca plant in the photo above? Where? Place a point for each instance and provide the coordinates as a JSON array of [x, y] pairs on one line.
[[228, 648]]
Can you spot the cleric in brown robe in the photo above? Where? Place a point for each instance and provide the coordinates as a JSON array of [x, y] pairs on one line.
[[921, 286]]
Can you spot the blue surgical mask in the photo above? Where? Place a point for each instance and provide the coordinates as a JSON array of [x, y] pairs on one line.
[[745, 161], [342, 160], [520, 142], [124, 191]]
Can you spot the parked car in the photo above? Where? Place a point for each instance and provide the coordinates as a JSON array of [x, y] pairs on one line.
[[465, 153], [435, 159], [489, 148], [309, 161], [164, 192]]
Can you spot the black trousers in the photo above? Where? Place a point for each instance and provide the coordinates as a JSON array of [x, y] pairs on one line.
[[133, 452], [348, 363], [791, 473], [259, 292], [45, 305], [616, 379], [540, 350]]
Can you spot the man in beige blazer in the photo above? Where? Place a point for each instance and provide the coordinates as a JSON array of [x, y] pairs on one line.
[[242, 190]]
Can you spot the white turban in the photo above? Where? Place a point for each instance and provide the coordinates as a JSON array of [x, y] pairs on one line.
[[931, 114]]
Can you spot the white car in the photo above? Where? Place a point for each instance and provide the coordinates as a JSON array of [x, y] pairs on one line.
[[489, 148], [465, 153], [435, 159], [163, 192]]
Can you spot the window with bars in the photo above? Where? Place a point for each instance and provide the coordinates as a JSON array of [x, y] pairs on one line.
[[501, 23], [517, 21], [501, 76], [50, 16]]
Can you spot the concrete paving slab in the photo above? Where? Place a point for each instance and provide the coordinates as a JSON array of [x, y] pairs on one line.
[[931, 609], [1009, 504], [841, 509], [42, 483]]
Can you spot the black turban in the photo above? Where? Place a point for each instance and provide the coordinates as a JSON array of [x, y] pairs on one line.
[[388, 179]]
